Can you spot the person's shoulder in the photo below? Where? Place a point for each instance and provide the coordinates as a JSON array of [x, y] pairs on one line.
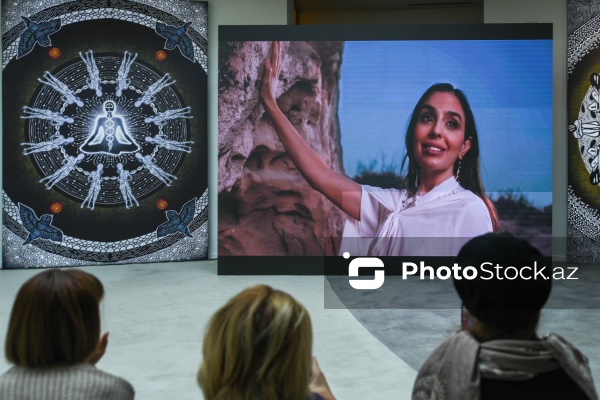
[[560, 346], [468, 195], [86, 378], [460, 338], [9, 375], [382, 193], [458, 193], [457, 342], [113, 386], [434, 377], [9, 380], [369, 188], [471, 201], [80, 378], [573, 361]]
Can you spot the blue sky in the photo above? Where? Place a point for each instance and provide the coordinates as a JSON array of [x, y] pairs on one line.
[[508, 84]]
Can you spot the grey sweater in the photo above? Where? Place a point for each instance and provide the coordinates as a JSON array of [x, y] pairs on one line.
[[74, 382]]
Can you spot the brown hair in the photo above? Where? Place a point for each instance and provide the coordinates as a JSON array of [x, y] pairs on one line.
[[55, 319], [257, 346]]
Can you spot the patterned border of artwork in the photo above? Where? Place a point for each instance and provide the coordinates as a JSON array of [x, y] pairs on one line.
[[583, 113]]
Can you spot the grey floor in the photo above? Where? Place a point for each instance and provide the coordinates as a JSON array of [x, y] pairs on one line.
[[156, 314]]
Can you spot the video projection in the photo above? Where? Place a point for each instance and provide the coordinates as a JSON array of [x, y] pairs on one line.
[[311, 151]]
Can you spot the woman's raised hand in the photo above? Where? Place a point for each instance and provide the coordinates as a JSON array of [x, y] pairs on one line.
[[268, 90], [343, 192]]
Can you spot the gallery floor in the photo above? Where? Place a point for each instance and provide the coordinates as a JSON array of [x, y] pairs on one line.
[[156, 314]]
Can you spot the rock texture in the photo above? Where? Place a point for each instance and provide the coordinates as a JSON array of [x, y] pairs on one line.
[[265, 205]]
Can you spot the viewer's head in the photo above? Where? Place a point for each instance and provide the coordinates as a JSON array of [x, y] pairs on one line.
[[258, 345], [504, 308], [459, 138], [55, 319]]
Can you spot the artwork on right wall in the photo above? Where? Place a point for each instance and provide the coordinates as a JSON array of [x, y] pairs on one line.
[[583, 103]]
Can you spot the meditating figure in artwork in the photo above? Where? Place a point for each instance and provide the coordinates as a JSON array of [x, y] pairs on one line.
[[110, 135]]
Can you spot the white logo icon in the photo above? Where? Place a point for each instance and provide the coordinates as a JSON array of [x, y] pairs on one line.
[[366, 262]]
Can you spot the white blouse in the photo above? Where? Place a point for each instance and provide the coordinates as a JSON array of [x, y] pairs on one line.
[[392, 223]]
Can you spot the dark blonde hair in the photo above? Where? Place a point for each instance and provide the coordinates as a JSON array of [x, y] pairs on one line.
[[55, 319], [257, 346]]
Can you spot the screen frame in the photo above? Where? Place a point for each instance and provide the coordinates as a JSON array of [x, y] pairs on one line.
[[335, 265]]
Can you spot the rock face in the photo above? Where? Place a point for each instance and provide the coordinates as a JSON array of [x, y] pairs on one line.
[[265, 206]]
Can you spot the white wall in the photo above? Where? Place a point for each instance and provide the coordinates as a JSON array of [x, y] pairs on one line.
[[544, 11], [229, 12]]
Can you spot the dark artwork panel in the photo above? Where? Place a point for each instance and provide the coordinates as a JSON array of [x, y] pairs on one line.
[[105, 144], [583, 113]]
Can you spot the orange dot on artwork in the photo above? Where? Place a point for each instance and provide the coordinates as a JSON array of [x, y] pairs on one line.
[[54, 52], [160, 55], [56, 207], [161, 204]]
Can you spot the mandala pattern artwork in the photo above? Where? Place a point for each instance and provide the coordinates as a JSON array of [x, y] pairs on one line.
[[105, 130]]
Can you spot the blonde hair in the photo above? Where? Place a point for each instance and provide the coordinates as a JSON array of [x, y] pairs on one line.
[[257, 346], [55, 319]]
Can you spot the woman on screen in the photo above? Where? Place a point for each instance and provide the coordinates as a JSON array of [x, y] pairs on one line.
[[444, 202]]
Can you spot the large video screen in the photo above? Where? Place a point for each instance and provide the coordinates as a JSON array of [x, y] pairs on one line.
[[380, 141]]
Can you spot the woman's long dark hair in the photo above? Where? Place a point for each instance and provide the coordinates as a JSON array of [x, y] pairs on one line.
[[470, 176]]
